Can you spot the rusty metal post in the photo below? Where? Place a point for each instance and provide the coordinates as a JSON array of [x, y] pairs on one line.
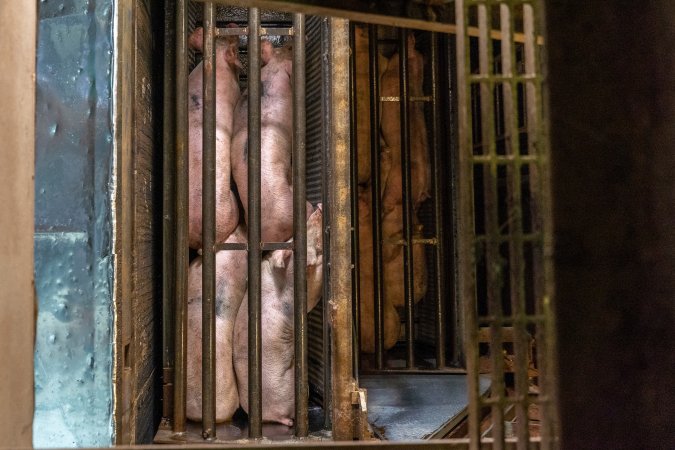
[[340, 222], [254, 229], [209, 226], [376, 210], [180, 375], [441, 294], [354, 179], [169, 208], [300, 229], [406, 186]]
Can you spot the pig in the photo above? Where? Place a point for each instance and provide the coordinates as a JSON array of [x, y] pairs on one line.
[[227, 95], [390, 127], [391, 318], [278, 390], [275, 147], [392, 254], [362, 69], [231, 276]]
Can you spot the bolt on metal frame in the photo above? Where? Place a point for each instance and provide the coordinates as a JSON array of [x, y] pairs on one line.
[[497, 235]]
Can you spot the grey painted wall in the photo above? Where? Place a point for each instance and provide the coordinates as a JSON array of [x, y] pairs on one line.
[[73, 261]]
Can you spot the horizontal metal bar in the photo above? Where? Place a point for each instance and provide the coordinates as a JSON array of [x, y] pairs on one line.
[[415, 371], [504, 159], [243, 31], [423, 98], [427, 241], [506, 320], [527, 237], [378, 13], [232, 246], [276, 246], [482, 78]]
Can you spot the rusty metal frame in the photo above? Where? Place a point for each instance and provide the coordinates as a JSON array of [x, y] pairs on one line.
[[495, 81]]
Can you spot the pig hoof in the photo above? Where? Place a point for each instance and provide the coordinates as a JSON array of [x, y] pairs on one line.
[[287, 422]]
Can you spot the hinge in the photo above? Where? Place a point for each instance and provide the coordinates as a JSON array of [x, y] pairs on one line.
[[359, 397]]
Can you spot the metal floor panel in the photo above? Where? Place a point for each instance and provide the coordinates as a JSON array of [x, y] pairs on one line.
[[410, 407]]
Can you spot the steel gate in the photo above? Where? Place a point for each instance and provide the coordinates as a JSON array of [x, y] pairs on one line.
[[503, 247]]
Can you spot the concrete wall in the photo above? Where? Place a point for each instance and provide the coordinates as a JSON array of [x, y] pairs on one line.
[[17, 315], [73, 231], [612, 97]]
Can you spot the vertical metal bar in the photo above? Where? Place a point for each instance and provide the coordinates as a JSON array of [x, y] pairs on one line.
[[325, 178], [406, 187], [169, 207], [541, 221], [515, 215], [209, 225], [340, 222], [465, 224], [181, 267], [438, 204], [254, 228], [376, 211], [492, 256], [300, 228], [354, 179]]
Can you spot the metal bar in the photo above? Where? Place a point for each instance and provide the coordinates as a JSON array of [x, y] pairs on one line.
[[231, 246], [406, 178], [370, 12], [491, 200], [541, 218], [340, 221], [325, 224], [254, 229], [354, 177], [265, 246], [168, 207], [264, 31], [376, 211], [438, 203], [515, 213], [465, 226], [180, 374], [503, 159], [415, 371], [209, 226], [300, 228]]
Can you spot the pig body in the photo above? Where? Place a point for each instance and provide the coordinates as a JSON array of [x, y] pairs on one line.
[[231, 276], [227, 95], [392, 252], [278, 368], [366, 281], [275, 146], [363, 126], [390, 127]]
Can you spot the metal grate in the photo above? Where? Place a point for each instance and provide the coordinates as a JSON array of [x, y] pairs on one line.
[[504, 246]]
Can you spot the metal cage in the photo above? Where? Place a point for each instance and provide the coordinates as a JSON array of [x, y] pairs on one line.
[[489, 229]]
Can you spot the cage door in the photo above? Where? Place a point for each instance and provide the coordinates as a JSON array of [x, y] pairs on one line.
[[504, 224]]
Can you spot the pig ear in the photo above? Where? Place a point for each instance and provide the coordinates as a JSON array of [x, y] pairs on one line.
[[266, 51], [196, 39], [280, 259]]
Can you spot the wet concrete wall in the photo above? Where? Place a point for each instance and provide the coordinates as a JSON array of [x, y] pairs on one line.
[[73, 257], [612, 97]]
